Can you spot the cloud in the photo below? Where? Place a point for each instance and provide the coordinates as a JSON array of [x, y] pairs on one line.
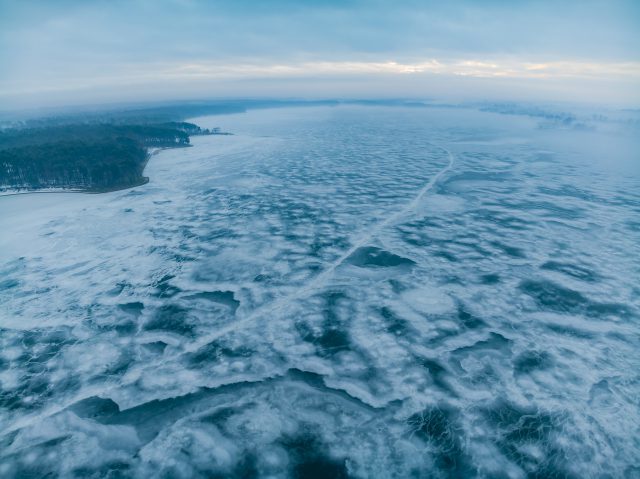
[[73, 45]]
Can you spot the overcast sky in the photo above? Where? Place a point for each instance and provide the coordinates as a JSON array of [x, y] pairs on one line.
[[73, 52]]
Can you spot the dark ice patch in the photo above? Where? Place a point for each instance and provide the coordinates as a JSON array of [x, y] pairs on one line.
[[530, 361], [333, 339], [490, 279], [95, 407], [437, 372], [372, 257], [225, 298], [468, 320], [553, 297], [8, 284], [632, 226], [163, 287], [509, 250], [495, 342], [311, 460], [156, 347], [125, 328], [515, 423], [499, 219], [221, 415], [333, 336], [171, 318], [35, 390], [135, 308], [395, 324], [572, 270], [321, 244], [329, 341]]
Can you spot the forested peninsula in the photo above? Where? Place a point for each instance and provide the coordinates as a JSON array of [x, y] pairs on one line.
[[94, 149], [91, 153]]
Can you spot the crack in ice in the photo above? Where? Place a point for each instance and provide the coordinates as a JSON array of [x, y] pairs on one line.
[[319, 280], [274, 306]]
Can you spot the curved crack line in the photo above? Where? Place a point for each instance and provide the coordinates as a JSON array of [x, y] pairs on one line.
[[319, 280]]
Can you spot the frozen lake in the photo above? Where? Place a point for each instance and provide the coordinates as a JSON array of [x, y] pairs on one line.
[[358, 291]]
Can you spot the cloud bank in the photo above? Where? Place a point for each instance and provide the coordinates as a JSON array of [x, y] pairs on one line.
[[69, 51]]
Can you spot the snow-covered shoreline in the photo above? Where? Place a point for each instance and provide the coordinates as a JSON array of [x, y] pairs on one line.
[[24, 191]]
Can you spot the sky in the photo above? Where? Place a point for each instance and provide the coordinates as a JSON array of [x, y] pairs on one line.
[[55, 53]]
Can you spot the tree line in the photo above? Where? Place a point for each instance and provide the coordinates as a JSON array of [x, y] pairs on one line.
[[93, 157]]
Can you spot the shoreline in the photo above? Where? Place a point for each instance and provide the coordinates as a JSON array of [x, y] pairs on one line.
[[144, 181], [151, 151]]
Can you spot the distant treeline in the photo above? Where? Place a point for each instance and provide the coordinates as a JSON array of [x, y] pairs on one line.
[[151, 115], [85, 156], [146, 114]]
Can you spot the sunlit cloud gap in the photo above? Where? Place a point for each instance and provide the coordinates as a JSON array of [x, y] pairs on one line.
[[463, 68]]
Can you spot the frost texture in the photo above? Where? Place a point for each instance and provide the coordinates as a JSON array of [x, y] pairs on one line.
[[331, 292]]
